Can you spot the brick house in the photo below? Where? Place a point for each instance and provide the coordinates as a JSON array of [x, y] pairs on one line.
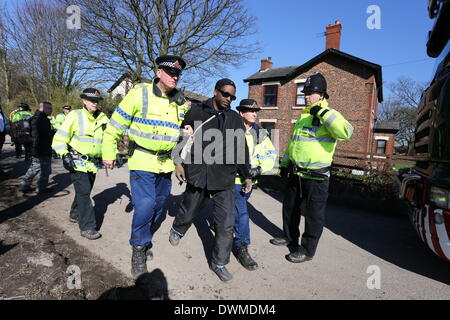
[[354, 86]]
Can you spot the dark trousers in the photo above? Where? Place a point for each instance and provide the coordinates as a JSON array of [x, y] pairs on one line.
[[313, 194], [223, 215], [82, 208]]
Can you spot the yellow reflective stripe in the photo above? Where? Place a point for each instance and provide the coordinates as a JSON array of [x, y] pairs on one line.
[[85, 139], [144, 102], [330, 120], [320, 139], [313, 164], [153, 136], [117, 125], [63, 133], [80, 122], [60, 147]]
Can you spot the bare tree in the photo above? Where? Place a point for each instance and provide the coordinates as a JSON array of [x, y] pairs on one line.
[[4, 79], [402, 106], [126, 36], [43, 47]]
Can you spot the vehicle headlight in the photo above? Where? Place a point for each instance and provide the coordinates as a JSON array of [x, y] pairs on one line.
[[440, 197]]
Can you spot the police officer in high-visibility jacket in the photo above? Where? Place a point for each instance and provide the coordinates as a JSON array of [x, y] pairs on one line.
[[307, 164], [151, 115], [22, 113], [79, 143], [262, 157], [58, 120]]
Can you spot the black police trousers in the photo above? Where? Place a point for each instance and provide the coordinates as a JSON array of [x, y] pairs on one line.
[[305, 197], [82, 208], [223, 214]]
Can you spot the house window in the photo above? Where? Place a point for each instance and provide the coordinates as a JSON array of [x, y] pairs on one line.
[[270, 96], [381, 146], [300, 96]]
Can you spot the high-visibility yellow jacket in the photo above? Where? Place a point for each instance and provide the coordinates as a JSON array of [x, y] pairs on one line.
[[312, 147], [152, 120], [261, 150], [58, 120], [21, 115], [83, 133]]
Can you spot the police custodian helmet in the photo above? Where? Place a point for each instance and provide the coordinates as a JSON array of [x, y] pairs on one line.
[[316, 83]]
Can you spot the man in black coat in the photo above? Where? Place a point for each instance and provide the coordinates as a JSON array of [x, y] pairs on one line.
[[219, 151], [41, 150]]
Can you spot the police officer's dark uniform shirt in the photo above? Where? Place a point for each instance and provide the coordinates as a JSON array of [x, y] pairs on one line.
[[220, 175]]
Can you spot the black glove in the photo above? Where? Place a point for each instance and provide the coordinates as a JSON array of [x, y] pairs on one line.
[[68, 162], [254, 172], [284, 172], [314, 110]]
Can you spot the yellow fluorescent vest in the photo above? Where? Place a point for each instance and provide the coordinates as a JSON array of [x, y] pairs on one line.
[[84, 134], [262, 153], [58, 120], [312, 147], [21, 115], [152, 121]]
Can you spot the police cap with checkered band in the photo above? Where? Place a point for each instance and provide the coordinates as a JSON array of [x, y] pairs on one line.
[[248, 105], [173, 64], [91, 94]]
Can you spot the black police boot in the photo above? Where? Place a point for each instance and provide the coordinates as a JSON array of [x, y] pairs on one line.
[[138, 261], [280, 241], [222, 272], [245, 259]]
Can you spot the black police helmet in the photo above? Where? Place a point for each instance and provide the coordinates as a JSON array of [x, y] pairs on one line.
[[91, 94], [248, 105], [316, 83], [24, 106]]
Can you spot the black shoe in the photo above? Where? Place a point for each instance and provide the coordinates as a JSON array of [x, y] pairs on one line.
[[245, 259], [279, 241], [221, 272], [90, 234], [174, 238], [138, 261], [297, 257]]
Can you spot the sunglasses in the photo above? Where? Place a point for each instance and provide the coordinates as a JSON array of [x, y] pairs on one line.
[[227, 95]]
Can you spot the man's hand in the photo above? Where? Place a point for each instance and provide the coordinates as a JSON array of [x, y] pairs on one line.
[[68, 163], [248, 186], [109, 164], [188, 131], [179, 173]]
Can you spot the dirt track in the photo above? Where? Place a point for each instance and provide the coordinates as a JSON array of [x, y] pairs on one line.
[[38, 244]]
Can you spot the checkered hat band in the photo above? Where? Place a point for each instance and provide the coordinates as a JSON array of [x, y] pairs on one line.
[[171, 65], [90, 94]]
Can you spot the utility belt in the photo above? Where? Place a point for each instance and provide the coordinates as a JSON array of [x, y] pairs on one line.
[[78, 156], [161, 155], [314, 173]]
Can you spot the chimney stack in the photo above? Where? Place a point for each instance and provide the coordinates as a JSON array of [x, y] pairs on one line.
[[266, 64], [333, 35]]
